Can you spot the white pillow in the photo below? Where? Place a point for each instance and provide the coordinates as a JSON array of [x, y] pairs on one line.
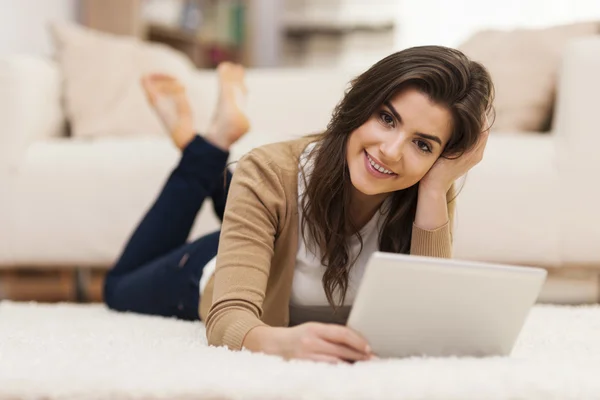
[[30, 107], [523, 64], [101, 72]]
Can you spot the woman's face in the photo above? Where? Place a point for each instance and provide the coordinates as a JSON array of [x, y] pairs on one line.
[[399, 143]]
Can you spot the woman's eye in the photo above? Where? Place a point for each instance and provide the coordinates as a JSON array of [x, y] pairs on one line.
[[423, 146], [387, 119]]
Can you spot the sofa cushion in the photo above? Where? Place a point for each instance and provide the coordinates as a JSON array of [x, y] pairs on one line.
[[102, 72], [523, 64], [507, 210], [84, 198]]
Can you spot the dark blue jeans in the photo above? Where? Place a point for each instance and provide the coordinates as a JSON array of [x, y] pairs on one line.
[[159, 271]]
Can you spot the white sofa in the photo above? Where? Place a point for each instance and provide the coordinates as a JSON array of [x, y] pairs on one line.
[[73, 202]]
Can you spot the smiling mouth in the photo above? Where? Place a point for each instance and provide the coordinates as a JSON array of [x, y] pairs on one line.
[[378, 167]]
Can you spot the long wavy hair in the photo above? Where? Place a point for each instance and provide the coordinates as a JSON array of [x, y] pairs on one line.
[[448, 78]]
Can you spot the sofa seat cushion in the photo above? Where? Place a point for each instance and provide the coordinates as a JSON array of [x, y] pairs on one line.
[[508, 210]]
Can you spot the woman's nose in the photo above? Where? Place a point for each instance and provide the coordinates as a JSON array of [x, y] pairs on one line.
[[393, 149]]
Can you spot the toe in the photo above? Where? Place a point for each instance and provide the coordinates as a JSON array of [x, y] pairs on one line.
[[148, 88]]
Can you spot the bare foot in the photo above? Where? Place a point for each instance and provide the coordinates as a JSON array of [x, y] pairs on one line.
[[229, 121], [168, 98]]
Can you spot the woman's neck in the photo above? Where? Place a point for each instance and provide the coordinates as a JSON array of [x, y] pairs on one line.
[[363, 207]]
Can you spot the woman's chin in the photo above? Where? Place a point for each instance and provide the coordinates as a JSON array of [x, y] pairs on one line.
[[367, 188], [370, 188]]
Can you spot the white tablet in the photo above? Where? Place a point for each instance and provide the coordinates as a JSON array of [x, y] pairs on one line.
[[420, 306]]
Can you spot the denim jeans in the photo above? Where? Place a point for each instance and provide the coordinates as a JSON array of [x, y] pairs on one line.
[[158, 272]]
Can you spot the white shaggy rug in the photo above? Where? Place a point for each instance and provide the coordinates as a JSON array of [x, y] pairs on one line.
[[87, 352]]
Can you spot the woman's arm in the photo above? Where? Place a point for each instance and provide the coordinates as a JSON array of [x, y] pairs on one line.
[[246, 248], [432, 209], [432, 228]]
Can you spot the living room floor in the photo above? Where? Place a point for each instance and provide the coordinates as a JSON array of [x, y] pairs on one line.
[[52, 285]]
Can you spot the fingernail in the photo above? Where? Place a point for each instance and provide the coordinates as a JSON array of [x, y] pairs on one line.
[[368, 349]]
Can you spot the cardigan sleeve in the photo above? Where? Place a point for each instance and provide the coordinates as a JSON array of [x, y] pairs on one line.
[[434, 243], [246, 248], [437, 242]]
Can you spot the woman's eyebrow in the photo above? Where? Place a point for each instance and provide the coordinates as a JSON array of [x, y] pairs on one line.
[[422, 135], [392, 110], [430, 137]]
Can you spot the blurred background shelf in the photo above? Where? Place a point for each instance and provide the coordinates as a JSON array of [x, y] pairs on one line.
[[329, 24], [204, 52], [256, 33], [337, 33], [208, 31]]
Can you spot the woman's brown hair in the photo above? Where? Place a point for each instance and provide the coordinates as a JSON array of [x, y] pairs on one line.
[[448, 78]]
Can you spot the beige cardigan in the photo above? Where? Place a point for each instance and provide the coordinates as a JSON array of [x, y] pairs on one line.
[[258, 245]]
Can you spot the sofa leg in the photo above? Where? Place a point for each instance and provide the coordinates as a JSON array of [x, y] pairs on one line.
[[82, 284]]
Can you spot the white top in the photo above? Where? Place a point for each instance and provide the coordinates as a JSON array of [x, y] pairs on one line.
[[307, 286]]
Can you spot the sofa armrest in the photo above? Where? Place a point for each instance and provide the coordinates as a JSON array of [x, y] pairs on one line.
[[30, 104], [577, 105], [577, 135]]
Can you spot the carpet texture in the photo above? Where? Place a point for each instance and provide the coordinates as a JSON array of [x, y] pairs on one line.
[[87, 352]]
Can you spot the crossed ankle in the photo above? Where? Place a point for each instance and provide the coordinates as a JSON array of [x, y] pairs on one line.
[[218, 140]]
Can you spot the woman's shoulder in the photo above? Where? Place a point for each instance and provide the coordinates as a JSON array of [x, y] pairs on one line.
[[281, 157]]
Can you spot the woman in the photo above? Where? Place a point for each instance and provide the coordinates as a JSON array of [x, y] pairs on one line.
[[302, 217]]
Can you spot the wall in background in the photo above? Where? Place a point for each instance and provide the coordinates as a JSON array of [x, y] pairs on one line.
[[23, 24], [450, 23]]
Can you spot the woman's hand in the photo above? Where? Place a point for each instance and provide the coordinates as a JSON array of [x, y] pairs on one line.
[[310, 341], [432, 203], [444, 171]]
